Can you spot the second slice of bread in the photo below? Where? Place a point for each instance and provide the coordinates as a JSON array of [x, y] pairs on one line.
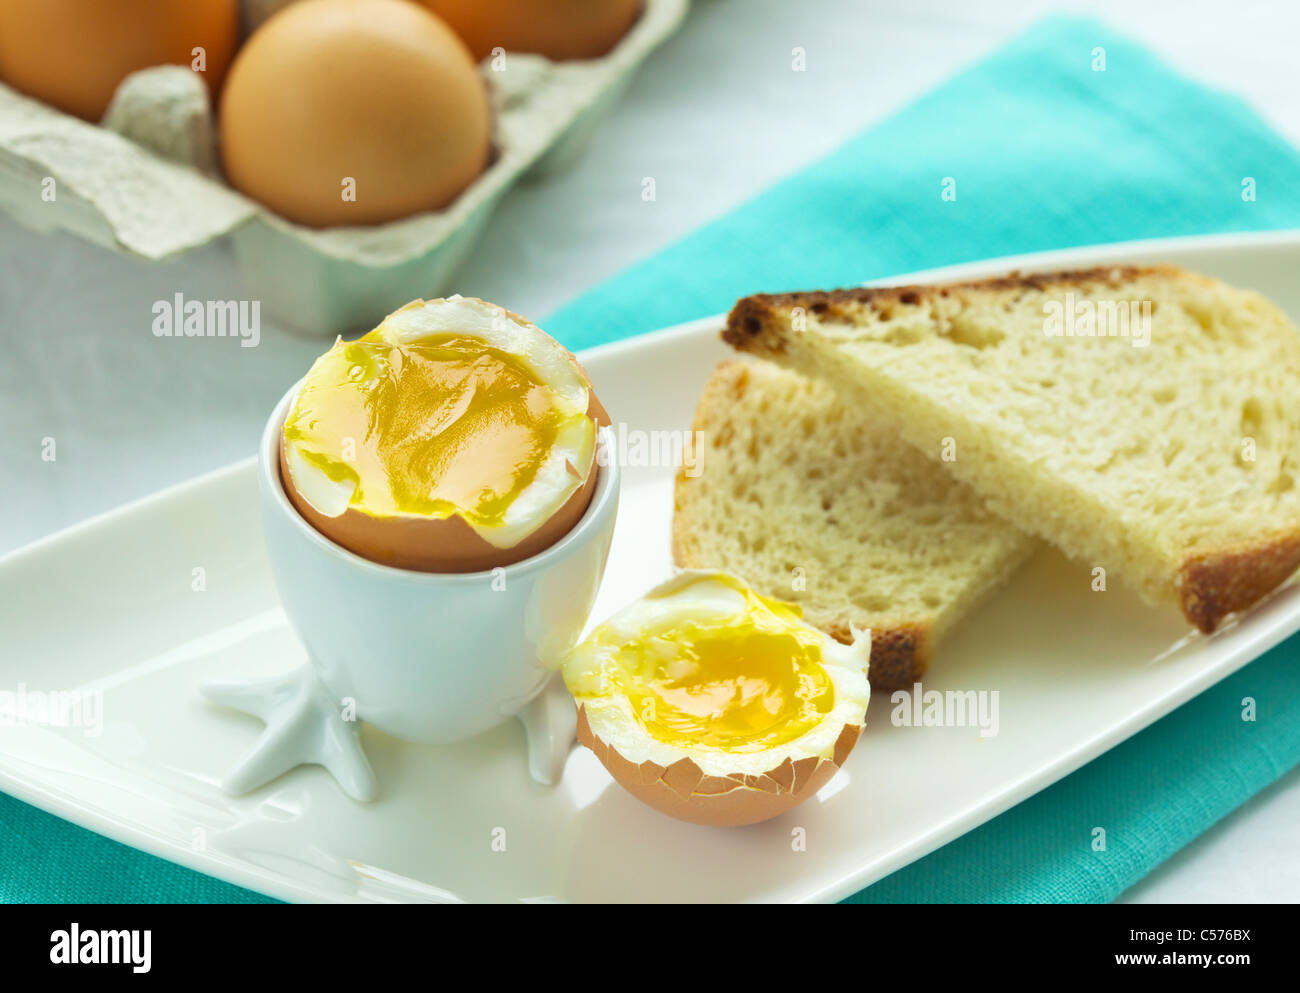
[[813, 502], [1167, 454]]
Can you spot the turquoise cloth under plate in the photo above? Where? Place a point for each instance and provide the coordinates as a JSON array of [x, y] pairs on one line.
[[1046, 153]]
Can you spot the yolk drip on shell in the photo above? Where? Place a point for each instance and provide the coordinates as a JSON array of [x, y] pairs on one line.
[[742, 686], [434, 427]]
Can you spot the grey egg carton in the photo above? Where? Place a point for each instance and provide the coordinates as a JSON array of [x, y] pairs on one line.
[[145, 181]]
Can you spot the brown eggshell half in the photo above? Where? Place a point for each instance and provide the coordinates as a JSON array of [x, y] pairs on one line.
[[449, 544], [682, 790]]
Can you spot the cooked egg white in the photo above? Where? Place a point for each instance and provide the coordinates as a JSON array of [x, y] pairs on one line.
[[715, 704]]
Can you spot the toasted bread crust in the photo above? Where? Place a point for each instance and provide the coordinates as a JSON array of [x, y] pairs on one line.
[[899, 656], [750, 317], [1210, 584]]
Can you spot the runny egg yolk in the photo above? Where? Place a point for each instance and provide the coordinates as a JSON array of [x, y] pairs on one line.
[[740, 686], [433, 427]]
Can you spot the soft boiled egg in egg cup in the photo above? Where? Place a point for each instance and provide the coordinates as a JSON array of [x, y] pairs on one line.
[[716, 705], [438, 499]]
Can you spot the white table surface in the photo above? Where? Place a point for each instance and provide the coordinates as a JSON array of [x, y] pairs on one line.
[[706, 118]]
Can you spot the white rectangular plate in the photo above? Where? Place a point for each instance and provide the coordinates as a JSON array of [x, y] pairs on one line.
[[112, 605]]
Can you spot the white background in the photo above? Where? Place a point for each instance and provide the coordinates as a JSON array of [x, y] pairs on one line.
[[712, 117]]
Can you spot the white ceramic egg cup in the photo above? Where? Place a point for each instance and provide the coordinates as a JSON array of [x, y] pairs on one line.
[[430, 658]]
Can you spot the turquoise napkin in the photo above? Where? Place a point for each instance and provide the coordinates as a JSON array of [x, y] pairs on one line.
[[1046, 153]]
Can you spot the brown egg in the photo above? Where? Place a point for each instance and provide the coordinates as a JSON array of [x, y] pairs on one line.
[[558, 29], [442, 544], [354, 112], [74, 53], [696, 701]]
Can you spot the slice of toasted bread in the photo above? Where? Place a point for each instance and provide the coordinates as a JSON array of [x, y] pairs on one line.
[[813, 502], [1146, 420]]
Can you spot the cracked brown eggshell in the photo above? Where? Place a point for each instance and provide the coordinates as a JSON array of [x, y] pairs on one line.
[[683, 791]]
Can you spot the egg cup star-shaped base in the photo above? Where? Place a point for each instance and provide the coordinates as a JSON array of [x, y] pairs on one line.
[[550, 721], [303, 727]]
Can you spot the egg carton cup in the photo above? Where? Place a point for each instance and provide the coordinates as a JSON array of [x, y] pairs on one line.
[[145, 182]]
